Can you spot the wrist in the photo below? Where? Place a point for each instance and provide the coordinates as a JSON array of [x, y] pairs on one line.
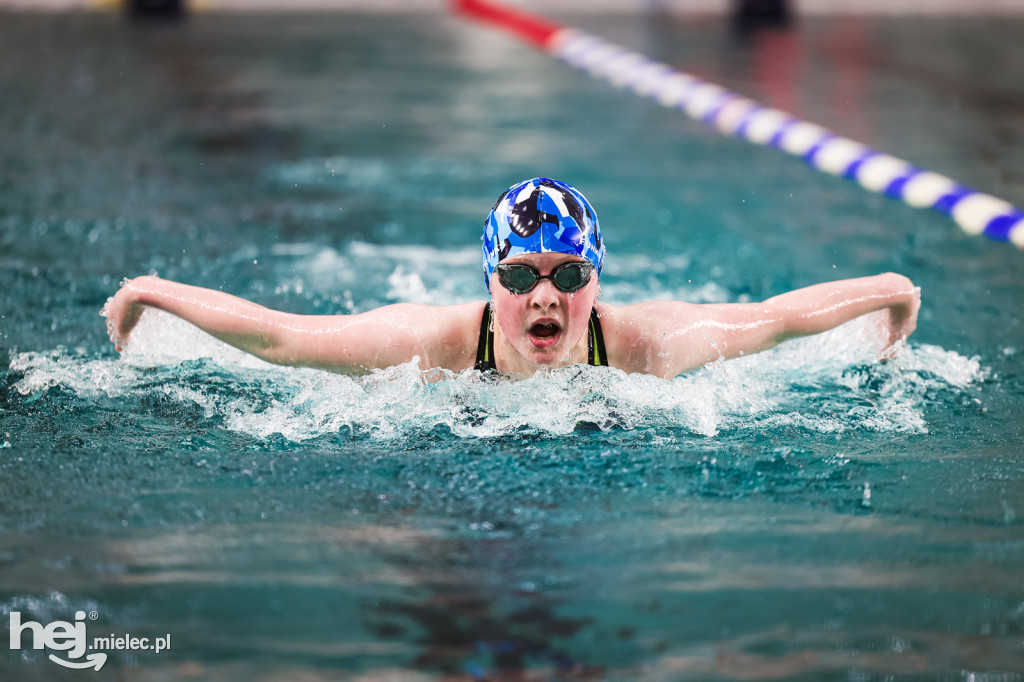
[[900, 287], [142, 290]]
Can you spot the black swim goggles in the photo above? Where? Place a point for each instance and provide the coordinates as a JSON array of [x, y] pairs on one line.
[[568, 277]]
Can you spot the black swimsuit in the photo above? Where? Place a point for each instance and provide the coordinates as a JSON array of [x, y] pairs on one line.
[[485, 348]]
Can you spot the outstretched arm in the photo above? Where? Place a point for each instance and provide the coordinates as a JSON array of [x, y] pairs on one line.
[[684, 336], [821, 307], [344, 343]]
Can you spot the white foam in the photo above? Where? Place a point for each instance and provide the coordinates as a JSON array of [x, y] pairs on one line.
[[835, 369], [464, 256], [43, 371], [408, 287], [163, 339], [808, 384]]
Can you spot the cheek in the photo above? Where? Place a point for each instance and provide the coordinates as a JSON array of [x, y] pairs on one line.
[[508, 311], [580, 318], [581, 315], [584, 303]]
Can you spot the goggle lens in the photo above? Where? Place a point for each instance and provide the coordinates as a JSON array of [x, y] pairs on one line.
[[568, 277], [571, 278], [519, 279]]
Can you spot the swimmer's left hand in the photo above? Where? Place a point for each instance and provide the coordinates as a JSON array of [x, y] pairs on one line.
[[902, 319], [123, 311]]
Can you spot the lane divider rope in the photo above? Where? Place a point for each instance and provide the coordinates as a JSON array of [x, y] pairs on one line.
[[736, 115]]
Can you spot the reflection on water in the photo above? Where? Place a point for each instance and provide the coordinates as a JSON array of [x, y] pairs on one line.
[[302, 580]]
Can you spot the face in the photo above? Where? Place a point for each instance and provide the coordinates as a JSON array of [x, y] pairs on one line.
[[545, 327]]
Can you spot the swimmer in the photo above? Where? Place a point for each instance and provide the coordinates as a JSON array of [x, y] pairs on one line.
[[542, 259]]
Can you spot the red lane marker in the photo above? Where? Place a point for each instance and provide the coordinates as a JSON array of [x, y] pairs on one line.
[[973, 211], [529, 27]]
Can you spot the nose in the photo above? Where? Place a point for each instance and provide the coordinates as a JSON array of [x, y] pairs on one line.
[[544, 295]]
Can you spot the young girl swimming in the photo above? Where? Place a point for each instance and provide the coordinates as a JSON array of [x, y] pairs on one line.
[[542, 258]]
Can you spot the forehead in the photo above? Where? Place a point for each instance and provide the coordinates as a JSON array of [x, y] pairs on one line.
[[543, 260]]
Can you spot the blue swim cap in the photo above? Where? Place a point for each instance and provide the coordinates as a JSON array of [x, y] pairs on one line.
[[539, 216]]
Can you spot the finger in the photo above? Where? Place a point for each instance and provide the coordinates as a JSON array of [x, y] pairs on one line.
[[105, 310], [892, 350]]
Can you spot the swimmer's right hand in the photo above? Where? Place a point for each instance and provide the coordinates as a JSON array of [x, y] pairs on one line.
[[123, 310]]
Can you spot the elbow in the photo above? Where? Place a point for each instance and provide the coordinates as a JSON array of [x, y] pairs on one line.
[[779, 327], [276, 349], [276, 340], [274, 355]]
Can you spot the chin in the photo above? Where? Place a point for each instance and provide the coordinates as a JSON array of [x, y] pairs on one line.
[[549, 358]]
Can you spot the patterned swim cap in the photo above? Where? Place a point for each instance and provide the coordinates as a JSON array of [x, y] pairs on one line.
[[539, 216]]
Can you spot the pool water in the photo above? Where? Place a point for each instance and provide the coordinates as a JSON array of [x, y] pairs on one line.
[[803, 514]]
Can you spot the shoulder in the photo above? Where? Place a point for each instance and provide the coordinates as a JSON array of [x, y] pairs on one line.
[[452, 331], [442, 336], [636, 335], [644, 320]]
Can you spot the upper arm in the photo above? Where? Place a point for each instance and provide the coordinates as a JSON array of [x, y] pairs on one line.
[[666, 338], [376, 339]]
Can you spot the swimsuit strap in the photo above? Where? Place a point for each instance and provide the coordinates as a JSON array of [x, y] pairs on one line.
[[485, 346], [596, 354]]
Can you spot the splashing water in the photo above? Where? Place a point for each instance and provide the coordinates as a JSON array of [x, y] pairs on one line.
[[828, 383]]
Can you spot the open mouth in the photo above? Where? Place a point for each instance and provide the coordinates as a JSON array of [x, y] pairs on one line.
[[544, 330], [545, 334]]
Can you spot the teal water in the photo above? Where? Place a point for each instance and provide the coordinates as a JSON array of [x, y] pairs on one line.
[[803, 514]]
